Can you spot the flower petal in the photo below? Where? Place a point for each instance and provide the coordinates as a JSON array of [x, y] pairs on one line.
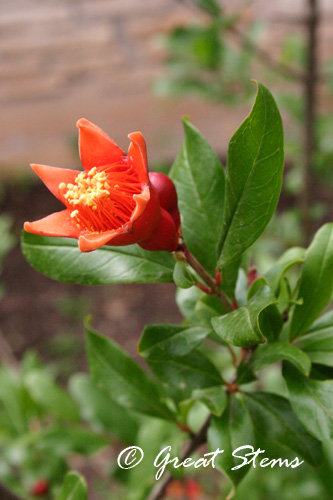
[[138, 152], [56, 224], [164, 236], [53, 176], [91, 241], [96, 147]]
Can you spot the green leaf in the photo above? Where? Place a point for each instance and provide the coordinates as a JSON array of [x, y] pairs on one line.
[[186, 301], [270, 319], [245, 374], [229, 432], [11, 402], [60, 259], [316, 282], [312, 402], [193, 371], [50, 395], [199, 179], [318, 345], [214, 398], [273, 417], [230, 276], [165, 342], [74, 488], [181, 275], [207, 308], [257, 285], [253, 177], [121, 378], [64, 440], [289, 259], [325, 321], [269, 354], [242, 326], [101, 411]]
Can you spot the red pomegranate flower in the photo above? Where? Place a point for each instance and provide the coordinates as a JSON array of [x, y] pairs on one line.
[[113, 201]]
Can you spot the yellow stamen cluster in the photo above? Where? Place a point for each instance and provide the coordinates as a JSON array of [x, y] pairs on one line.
[[102, 199], [88, 188]]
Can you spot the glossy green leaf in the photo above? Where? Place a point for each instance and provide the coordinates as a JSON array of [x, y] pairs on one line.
[[269, 354], [74, 488], [181, 275], [312, 402], [207, 308], [193, 371], [199, 179], [242, 326], [230, 276], [318, 345], [165, 342], [256, 285], [316, 282], [101, 411], [325, 321], [186, 300], [50, 395], [272, 416], [289, 259], [60, 259], [214, 398], [229, 432], [121, 378], [253, 177], [270, 319], [271, 322], [245, 374]]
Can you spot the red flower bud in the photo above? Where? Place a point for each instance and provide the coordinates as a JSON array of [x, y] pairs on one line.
[[193, 490], [252, 275], [165, 189], [40, 487], [112, 202], [167, 194], [175, 490]]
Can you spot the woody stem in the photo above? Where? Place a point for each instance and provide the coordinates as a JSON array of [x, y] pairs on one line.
[[216, 290]]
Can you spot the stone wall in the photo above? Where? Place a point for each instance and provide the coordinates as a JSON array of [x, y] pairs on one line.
[[65, 59]]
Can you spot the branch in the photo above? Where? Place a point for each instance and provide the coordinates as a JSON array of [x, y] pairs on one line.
[[196, 441], [214, 287], [310, 96], [266, 58]]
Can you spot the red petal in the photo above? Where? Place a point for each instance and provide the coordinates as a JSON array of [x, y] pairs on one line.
[[53, 176], [89, 242], [57, 224], [164, 236], [138, 152], [96, 147]]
